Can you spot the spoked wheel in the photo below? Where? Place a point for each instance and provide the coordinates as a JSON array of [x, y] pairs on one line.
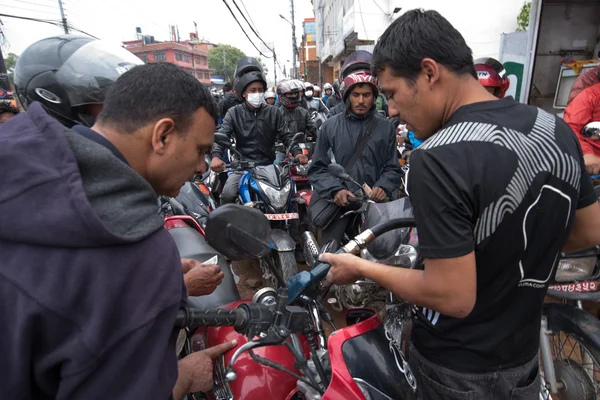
[[577, 368]]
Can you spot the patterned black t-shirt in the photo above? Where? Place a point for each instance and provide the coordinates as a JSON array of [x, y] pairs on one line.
[[504, 180]]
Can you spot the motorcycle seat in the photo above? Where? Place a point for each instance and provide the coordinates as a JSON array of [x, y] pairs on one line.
[[387, 244]]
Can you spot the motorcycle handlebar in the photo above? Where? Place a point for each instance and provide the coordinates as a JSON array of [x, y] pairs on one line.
[[195, 318]]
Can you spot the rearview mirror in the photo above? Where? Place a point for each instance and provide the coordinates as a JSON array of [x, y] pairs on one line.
[[237, 232], [299, 138], [338, 171], [222, 140]]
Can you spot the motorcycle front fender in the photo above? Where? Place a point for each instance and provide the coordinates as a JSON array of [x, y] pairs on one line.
[[282, 241], [568, 318]]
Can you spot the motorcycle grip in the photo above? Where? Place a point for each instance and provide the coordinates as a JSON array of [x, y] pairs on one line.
[[195, 317]]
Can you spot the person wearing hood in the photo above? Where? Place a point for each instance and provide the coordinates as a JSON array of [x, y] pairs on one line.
[[254, 125], [341, 136], [229, 100], [91, 280], [312, 103]]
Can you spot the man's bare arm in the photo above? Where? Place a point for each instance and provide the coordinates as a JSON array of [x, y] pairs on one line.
[[586, 229]]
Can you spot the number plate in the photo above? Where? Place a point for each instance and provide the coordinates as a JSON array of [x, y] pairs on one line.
[[579, 287], [282, 217]]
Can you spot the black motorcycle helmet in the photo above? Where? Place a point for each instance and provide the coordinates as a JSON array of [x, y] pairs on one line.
[[65, 73], [360, 60], [247, 71]]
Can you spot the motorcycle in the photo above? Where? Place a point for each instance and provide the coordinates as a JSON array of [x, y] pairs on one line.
[[318, 117], [187, 228], [270, 189], [282, 351], [396, 248], [303, 188]]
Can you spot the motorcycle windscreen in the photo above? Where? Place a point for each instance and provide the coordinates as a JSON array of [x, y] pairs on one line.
[[191, 244], [374, 364], [194, 200], [387, 244]]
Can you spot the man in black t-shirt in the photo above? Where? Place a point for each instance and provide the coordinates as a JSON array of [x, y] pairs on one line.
[[499, 189]]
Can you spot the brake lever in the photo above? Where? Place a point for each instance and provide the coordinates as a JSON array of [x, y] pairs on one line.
[[230, 374]]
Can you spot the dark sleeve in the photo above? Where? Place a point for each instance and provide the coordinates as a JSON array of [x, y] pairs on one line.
[[587, 194], [322, 107], [443, 205], [391, 175], [226, 129], [311, 127], [148, 352], [283, 132], [324, 183]]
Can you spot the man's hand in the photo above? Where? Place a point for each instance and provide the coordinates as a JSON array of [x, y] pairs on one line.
[[217, 165], [592, 163], [378, 194], [200, 279], [302, 159], [406, 155], [341, 197], [344, 268], [196, 370]]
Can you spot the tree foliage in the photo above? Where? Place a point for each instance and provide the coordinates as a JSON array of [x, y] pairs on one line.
[[10, 63], [223, 60], [523, 17]]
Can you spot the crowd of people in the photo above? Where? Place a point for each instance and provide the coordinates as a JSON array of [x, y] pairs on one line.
[[92, 282]]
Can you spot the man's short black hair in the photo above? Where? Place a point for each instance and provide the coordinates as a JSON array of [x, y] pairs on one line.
[[420, 34], [149, 92], [227, 87]]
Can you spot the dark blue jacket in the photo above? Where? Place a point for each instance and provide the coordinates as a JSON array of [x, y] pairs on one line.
[[89, 279]]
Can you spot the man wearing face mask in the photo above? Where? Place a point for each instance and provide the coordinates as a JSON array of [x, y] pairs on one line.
[[311, 102], [254, 125]]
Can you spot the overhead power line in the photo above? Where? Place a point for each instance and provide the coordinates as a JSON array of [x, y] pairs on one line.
[[240, 25], [36, 4], [243, 5], [251, 28], [47, 21], [30, 10]]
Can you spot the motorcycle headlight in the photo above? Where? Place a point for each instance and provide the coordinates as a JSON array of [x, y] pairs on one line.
[[277, 198], [575, 269]]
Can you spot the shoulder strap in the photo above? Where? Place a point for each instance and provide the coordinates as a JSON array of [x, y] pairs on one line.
[[361, 146]]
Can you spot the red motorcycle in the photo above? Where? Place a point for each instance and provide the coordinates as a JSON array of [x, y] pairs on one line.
[[283, 352], [303, 193]]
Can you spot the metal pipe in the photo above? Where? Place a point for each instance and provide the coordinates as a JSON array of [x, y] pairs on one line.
[[546, 353]]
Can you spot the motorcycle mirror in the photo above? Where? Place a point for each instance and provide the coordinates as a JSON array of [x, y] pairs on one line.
[[222, 140], [299, 138], [591, 130], [338, 171], [237, 232]]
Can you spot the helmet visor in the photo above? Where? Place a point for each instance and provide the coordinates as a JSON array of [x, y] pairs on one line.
[[91, 70]]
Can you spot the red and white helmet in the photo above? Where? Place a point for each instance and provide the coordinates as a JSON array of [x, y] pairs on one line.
[[356, 78], [491, 73]]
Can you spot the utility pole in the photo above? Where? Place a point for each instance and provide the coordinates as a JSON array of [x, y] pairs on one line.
[[294, 49], [275, 65], [62, 17], [224, 61]]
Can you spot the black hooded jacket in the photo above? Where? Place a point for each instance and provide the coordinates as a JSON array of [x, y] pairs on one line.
[[378, 165]]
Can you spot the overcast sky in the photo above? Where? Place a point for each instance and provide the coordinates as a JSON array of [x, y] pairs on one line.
[[115, 21]]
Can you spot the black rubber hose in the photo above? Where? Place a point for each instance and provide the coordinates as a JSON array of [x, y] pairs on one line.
[[195, 318], [390, 225]]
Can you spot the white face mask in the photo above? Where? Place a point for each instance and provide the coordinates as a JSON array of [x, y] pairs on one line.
[[308, 93], [256, 99]]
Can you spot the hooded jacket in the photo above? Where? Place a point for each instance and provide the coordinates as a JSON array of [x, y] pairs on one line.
[[340, 135], [338, 109], [332, 101], [90, 280], [228, 101], [255, 132], [585, 108]]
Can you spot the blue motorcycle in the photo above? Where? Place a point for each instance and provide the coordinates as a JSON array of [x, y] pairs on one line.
[[270, 189]]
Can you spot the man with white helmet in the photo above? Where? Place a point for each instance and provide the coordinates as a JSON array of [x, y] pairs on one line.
[[270, 97], [312, 103], [328, 91]]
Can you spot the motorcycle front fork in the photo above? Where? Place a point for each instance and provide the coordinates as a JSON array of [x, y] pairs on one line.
[[551, 383]]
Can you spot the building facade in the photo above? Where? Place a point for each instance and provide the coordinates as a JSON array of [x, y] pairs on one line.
[[188, 55], [309, 63], [344, 26]]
